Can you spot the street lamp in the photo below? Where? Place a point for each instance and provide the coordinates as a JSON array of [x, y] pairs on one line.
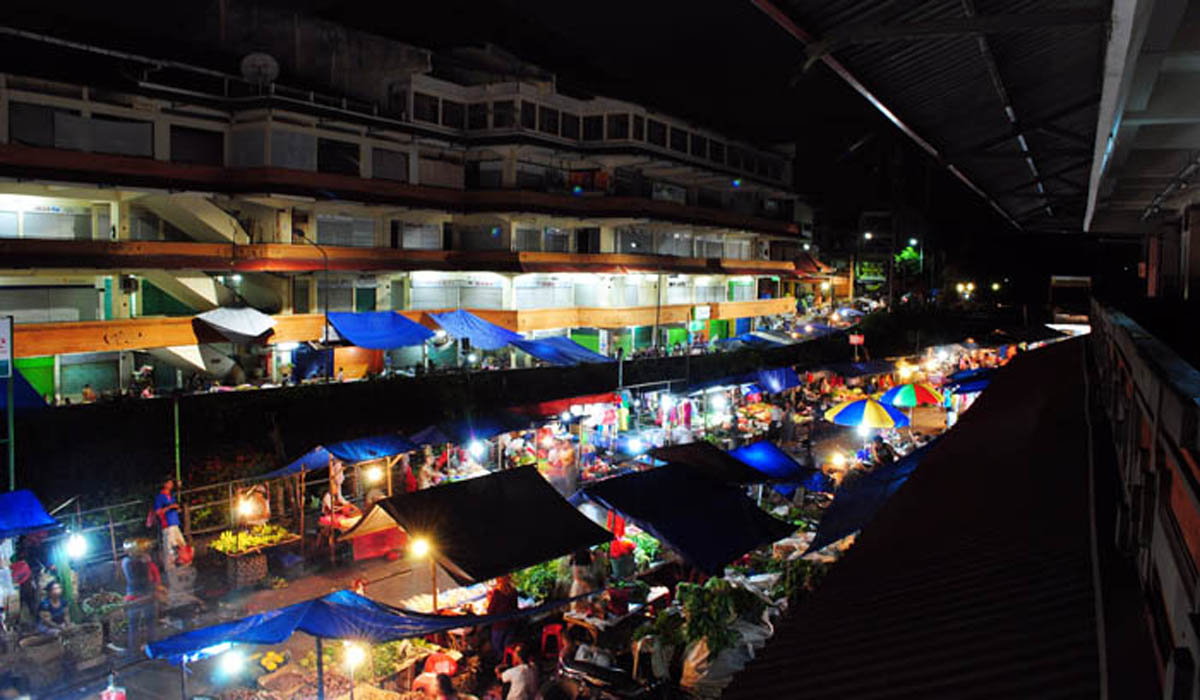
[[868, 235], [325, 282], [421, 548], [913, 242], [353, 655], [995, 286]]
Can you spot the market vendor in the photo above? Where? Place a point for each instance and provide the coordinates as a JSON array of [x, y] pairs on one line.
[[142, 584], [53, 616], [521, 677], [167, 512], [502, 598], [337, 475]]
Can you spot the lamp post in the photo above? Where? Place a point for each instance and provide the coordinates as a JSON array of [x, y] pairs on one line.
[[355, 654], [325, 282], [422, 548]]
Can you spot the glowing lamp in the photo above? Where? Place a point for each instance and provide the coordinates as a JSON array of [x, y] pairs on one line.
[[374, 475], [565, 417], [472, 358], [636, 446], [477, 449], [246, 508], [232, 662], [719, 402], [77, 546], [862, 431], [808, 328], [354, 654], [838, 459], [420, 547]]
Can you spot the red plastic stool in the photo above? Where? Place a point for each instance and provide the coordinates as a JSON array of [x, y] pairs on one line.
[[553, 632], [510, 655]]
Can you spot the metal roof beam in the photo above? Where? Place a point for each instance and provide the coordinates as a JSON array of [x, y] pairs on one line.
[[1036, 124], [1078, 165], [957, 26], [781, 18]]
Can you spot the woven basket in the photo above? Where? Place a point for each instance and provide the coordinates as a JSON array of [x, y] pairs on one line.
[[246, 570], [43, 660], [84, 642]]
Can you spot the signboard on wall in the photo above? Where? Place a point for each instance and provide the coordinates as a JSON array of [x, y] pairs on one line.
[[701, 312], [856, 339], [6, 347]]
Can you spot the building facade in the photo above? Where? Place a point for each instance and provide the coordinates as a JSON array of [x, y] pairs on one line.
[[127, 206]]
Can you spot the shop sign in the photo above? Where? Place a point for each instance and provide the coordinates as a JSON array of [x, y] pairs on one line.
[[701, 312], [856, 339], [6, 351]]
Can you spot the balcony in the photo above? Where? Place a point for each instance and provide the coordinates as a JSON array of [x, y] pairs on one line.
[[42, 339]]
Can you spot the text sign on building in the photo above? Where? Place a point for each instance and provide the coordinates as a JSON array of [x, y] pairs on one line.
[[701, 312], [856, 339], [6, 351]]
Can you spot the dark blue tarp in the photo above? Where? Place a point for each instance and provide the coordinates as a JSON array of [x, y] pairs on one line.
[[311, 363], [21, 512], [483, 335], [374, 447], [816, 481], [851, 370], [969, 374], [969, 381], [487, 526], [767, 458], [316, 458], [559, 351], [752, 340], [429, 435], [338, 615], [777, 380], [24, 395], [860, 496], [708, 523], [379, 330], [711, 461]]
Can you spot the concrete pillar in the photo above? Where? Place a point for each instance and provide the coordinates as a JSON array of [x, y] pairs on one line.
[[119, 218], [414, 165], [124, 368], [122, 301], [508, 170], [383, 293], [283, 225], [1191, 253], [162, 139], [364, 161], [608, 239]]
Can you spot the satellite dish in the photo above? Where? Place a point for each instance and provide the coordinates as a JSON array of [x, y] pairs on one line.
[[260, 68]]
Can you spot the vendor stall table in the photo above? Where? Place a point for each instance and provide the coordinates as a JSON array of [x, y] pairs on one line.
[[595, 627]]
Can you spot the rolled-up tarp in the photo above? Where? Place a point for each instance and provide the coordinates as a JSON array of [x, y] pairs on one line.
[[239, 324]]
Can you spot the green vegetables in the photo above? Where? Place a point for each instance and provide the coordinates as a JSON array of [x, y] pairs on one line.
[[242, 541], [647, 551], [538, 581], [709, 614], [667, 626]]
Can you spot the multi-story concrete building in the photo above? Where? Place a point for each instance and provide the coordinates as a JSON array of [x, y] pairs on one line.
[[146, 191]]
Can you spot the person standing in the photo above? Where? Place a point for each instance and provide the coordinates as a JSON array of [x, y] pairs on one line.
[[521, 678], [142, 581], [502, 598], [167, 511]]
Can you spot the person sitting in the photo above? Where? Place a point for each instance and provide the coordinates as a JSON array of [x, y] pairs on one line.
[[53, 616], [521, 677], [882, 453]]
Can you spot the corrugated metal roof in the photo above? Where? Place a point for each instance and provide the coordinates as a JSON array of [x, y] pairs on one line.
[[975, 579], [942, 88]]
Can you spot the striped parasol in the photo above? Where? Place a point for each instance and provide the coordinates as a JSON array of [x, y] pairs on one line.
[[910, 395], [866, 412]]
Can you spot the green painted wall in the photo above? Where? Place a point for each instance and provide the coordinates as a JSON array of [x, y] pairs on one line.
[[676, 335], [156, 302], [643, 337], [364, 299], [39, 372], [717, 329], [591, 341]]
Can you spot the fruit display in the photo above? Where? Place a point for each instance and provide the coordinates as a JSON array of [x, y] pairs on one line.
[[101, 603], [233, 543]]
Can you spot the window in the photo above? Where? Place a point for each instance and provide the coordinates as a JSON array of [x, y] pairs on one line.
[[570, 126], [528, 115], [345, 231], [656, 133], [339, 291], [593, 128], [618, 126], [389, 165], [300, 300], [679, 140], [477, 116], [453, 114], [481, 238], [197, 146], [548, 120], [710, 247], [340, 157], [677, 243], [504, 114], [632, 240], [529, 239], [422, 236], [425, 107], [699, 146], [749, 162], [639, 128], [557, 240], [735, 158], [716, 151]]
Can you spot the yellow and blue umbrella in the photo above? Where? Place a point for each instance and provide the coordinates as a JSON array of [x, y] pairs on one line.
[[911, 395], [867, 413]]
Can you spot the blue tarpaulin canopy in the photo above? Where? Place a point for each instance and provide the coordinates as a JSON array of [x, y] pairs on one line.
[[338, 615], [774, 381], [24, 395], [464, 430], [379, 330], [316, 458], [860, 369], [374, 447], [776, 464], [711, 461], [816, 481], [754, 340], [559, 351], [21, 513], [708, 523], [969, 381], [861, 496], [483, 335]]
